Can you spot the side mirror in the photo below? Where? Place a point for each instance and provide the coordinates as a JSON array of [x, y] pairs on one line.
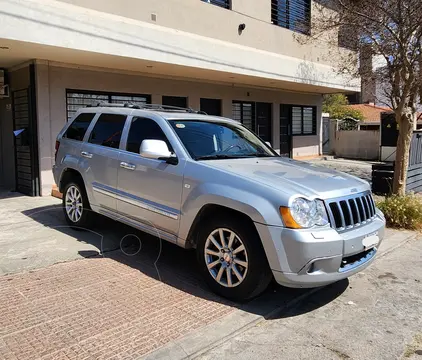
[[157, 149], [269, 144]]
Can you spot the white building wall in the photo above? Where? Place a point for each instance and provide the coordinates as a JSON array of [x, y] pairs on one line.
[[79, 35], [54, 79], [357, 144]]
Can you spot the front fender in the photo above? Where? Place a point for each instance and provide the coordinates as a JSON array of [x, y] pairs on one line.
[[258, 208]]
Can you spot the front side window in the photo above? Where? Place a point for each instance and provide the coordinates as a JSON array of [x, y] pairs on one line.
[[219, 140], [108, 130], [292, 14], [77, 130], [144, 129]]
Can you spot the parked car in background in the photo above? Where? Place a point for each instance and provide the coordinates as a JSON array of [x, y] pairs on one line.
[[209, 183]]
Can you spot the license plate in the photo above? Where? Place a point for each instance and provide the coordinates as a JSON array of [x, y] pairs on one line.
[[370, 241]]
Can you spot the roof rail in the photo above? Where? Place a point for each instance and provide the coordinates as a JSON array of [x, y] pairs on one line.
[[105, 104], [169, 108], [156, 107]]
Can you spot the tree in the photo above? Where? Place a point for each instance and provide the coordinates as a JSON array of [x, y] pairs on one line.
[[389, 31], [337, 106]]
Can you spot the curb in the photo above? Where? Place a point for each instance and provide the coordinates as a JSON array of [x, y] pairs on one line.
[[399, 244], [211, 335], [216, 333]]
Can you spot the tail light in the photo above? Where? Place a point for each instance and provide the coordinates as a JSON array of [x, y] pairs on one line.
[[57, 149]]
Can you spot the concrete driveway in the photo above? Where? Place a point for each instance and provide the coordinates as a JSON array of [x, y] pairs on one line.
[[34, 234]]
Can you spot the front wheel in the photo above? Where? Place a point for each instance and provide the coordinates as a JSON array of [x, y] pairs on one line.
[[232, 260]]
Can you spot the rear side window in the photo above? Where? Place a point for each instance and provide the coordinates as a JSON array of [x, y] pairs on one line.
[[144, 129], [77, 130], [108, 130]]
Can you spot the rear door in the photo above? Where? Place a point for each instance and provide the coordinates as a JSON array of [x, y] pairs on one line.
[[100, 159]]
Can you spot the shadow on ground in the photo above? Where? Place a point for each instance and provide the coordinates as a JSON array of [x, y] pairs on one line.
[[175, 266]]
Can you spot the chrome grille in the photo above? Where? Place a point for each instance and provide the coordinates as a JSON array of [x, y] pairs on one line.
[[349, 212]]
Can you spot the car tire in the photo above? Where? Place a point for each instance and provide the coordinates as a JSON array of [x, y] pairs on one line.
[[76, 208], [247, 269]]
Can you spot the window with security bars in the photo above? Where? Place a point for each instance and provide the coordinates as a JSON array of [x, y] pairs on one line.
[[304, 120], [244, 112], [77, 99], [292, 14], [222, 3]]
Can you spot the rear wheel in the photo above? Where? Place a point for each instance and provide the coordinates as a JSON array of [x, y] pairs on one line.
[[76, 206], [232, 259]]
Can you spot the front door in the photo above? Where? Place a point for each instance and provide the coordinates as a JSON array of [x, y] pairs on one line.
[[149, 190], [101, 159], [264, 121], [285, 131], [255, 116]]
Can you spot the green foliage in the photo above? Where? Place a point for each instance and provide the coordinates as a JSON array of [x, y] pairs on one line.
[[337, 106], [402, 211]]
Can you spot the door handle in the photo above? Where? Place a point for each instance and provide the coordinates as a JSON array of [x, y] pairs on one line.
[[127, 166], [86, 154]]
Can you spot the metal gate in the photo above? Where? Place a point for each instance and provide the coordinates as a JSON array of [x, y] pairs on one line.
[[26, 144], [326, 136], [414, 172], [382, 175]]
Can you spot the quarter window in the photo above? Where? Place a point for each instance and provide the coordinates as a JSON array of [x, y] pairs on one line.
[[144, 129], [77, 130], [108, 130]]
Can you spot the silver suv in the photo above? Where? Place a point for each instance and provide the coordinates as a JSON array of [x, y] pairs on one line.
[[209, 183]]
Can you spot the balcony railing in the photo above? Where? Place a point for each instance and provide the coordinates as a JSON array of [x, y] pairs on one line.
[[292, 14], [222, 3]]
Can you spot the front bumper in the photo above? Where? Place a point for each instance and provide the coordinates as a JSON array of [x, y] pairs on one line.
[[317, 257]]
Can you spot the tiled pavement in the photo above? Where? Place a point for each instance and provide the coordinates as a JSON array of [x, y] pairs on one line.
[[121, 305], [101, 308]]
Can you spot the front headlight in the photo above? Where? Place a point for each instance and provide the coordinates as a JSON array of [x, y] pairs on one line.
[[304, 213]]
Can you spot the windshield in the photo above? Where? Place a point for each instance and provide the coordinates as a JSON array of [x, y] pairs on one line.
[[219, 140]]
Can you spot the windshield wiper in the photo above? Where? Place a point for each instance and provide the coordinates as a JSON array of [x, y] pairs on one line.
[[259, 155], [215, 156]]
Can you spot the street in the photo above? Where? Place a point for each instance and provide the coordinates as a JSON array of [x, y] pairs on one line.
[[378, 316]]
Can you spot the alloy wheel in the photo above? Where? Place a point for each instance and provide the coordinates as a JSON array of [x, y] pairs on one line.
[[226, 257], [74, 204]]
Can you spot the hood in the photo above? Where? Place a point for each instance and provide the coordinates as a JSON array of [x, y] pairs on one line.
[[293, 177]]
